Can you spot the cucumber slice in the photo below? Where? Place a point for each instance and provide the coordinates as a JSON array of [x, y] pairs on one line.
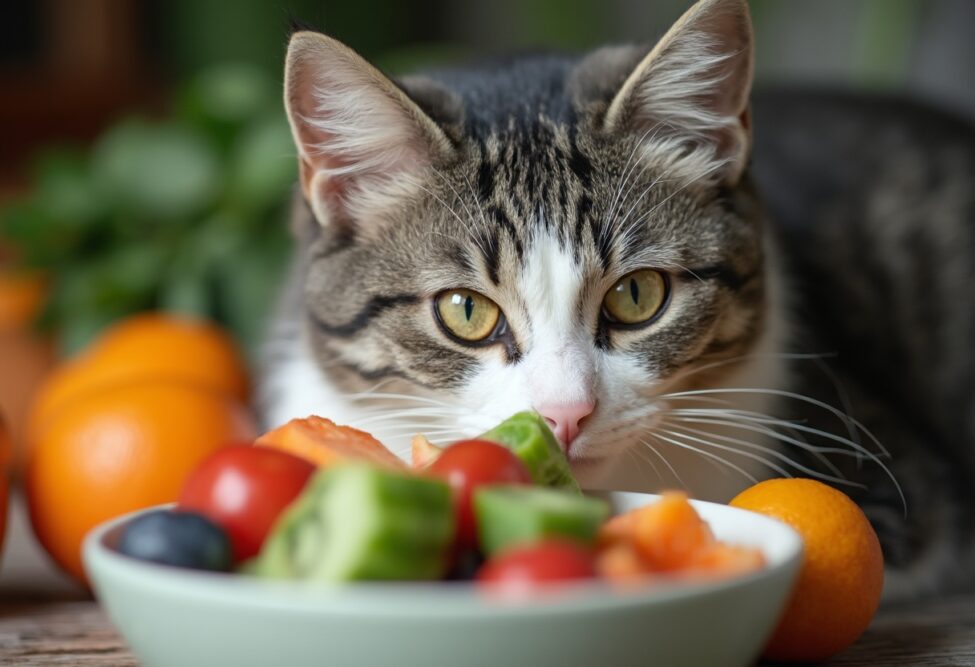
[[509, 515], [358, 522], [529, 437]]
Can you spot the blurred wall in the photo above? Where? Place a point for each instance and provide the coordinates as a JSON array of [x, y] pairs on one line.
[[69, 67], [921, 46]]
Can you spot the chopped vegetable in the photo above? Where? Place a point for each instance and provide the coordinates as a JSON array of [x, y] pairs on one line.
[[471, 464], [525, 568], [244, 489], [530, 438], [321, 502], [323, 442], [510, 515], [361, 522]]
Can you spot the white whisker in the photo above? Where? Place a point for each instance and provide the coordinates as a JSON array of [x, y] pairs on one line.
[[642, 457], [771, 452], [405, 397], [786, 394], [680, 432], [736, 417], [708, 455], [667, 463]]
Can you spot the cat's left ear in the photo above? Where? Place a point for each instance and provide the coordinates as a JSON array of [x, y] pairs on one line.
[[364, 145], [693, 88]]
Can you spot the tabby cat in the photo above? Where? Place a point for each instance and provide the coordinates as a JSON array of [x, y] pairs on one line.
[[600, 239]]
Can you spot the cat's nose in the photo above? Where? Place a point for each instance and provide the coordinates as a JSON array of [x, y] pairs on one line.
[[566, 419]]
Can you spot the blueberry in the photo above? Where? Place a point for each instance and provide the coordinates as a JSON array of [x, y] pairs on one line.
[[182, 539]]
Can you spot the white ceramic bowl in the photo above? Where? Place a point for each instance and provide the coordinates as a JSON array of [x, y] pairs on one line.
[[181, 618]]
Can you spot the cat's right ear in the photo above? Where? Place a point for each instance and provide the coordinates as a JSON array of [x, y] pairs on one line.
[[363, 144]]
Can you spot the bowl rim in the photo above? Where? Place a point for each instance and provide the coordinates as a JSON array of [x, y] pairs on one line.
[[436, 599]]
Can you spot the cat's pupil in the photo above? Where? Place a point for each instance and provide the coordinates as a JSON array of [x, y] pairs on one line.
[[468, 307], [634, 291]]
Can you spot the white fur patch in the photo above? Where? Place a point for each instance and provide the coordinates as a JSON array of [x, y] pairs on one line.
[[559, 364]]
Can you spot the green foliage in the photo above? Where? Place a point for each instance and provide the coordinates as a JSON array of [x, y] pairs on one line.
[[185, 214]]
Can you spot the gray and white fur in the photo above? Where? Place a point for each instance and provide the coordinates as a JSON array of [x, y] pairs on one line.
[[818, 319]]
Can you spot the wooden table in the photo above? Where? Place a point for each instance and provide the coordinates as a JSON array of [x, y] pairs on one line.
[[79, 634]]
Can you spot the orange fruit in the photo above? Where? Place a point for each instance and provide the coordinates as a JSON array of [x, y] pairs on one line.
[[5, 447], [21, 298], [323, 442], [26, 356], [121, 449], [26, 360], [842, 574], [151, 346]]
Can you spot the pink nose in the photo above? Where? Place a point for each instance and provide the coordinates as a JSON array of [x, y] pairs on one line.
[[565, 419]]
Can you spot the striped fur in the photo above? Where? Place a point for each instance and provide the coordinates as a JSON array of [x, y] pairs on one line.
[[539, 182]]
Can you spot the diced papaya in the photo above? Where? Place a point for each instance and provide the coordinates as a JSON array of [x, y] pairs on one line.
[[424, 452], [323, 442], [621, 563], [722, 560], [669, 533], [620, 528]]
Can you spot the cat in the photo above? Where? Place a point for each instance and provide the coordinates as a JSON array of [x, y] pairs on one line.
[[600, 239]]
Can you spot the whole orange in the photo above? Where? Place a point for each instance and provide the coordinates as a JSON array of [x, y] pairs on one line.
[[842, 574], [152, 346], [5, 452], [26, 355], [21, 297], [120, 449]]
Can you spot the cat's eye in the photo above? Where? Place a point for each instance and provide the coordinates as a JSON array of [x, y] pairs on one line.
[[636, 298], [466, 314]]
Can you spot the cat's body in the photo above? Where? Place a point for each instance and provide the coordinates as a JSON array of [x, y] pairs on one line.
[[537, 188], [874, 210]]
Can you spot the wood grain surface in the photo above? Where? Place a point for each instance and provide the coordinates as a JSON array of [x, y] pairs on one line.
[[78, 633]]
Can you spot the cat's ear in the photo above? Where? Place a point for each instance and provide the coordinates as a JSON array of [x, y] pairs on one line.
[[363, 143], [693, 88]]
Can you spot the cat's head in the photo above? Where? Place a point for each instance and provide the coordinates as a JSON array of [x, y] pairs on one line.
[[575, 236]]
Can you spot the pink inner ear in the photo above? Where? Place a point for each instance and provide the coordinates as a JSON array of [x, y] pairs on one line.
[[305, 108], [363, 143]]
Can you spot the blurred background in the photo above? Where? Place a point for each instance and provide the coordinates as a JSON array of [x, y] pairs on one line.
[[145, 159], [145, 162]]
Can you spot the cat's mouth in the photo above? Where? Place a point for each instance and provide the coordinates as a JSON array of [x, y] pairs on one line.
[[589, 470]]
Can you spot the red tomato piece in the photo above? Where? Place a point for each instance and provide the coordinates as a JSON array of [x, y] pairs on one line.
[[469, 464], [244, 489], [524, 568]]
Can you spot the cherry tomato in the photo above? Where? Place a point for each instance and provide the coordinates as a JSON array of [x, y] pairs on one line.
[[523, 568], [467, 465], [243, 489]]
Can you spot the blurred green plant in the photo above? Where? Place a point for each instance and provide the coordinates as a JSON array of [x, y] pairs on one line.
[[184, 214]]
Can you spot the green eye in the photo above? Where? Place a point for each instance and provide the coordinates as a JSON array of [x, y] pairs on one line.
[[466, 314], [636, 298]]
